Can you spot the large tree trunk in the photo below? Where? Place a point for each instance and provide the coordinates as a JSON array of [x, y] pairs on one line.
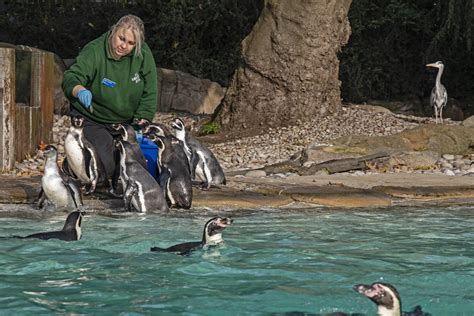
[[289, 67]]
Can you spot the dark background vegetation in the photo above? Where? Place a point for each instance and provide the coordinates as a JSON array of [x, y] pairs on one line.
[[385, 59]]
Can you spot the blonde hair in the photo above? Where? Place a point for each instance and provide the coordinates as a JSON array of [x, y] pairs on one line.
[[135, 24]]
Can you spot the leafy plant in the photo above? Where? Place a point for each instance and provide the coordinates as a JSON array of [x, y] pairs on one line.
[[209, 128]]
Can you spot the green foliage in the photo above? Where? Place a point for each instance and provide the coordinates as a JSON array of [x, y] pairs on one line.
[[200, 37], [392, 40], [209, 128]]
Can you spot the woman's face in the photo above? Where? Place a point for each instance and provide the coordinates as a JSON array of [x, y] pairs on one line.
[[123, 42]]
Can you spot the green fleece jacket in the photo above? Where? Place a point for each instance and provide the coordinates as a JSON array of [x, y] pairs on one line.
[[121, 89]]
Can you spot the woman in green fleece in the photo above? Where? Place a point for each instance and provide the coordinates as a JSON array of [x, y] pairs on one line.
[[113, 81]]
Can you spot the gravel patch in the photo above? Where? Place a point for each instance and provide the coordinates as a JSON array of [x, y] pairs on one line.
[[275, 145]]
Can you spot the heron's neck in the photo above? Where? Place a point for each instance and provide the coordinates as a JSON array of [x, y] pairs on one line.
[[438, 77]]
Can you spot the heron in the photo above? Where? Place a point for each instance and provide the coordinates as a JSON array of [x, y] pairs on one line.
[[439, 96]]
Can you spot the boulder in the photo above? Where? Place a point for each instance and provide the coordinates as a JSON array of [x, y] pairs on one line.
[[180, 91], [469, 122], [444, 139]]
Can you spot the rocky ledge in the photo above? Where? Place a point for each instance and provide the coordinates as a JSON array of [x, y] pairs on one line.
[[364, 157]]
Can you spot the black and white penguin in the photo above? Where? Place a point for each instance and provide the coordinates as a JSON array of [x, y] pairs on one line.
[[211, 236], [387, 299], [128, 134], [157, 129], [141, 191], [71, 230], [57, 187], [174, 173], [204, 165], [82, 160]]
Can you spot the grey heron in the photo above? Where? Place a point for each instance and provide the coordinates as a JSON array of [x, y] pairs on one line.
[[439, 96]]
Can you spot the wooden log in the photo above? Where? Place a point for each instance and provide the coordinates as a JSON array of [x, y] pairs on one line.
[[7, 108], [346, 164]]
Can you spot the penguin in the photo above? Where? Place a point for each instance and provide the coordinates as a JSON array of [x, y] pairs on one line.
[[174, 173], [71, 230], [127, 133], [211, 236], [141, 191], [387, 299], [57, 187], [82, 161], [158, 129], [204, 165]]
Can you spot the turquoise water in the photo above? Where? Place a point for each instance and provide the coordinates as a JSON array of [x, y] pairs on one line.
[[273, 261]]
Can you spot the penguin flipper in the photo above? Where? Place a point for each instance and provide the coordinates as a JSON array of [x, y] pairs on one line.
[[157, 249], [75, 194], [41, 199], [193, 163], [417, 311], [116, 175], [130, 191], [163, 177], [67, 170]]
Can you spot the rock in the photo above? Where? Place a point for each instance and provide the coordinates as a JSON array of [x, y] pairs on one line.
[[439, 138], [319, 154], [448, 156], [417, 159], [256, 173], [469, 122], [449, 172], [180, 91]]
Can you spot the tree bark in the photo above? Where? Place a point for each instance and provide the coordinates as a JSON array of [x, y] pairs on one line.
[[289, 69]]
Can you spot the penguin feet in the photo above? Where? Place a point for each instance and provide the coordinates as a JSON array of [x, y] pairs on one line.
[[112, 192], [89, 190]]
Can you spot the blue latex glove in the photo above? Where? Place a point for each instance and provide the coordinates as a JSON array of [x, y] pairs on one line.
[[85, 97]]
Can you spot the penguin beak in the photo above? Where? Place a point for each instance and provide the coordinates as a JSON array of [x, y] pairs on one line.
[[177, 125], [42, 146], [369, 290], [224, 222]]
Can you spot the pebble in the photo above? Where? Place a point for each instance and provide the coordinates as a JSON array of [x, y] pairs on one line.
[[280, 144]]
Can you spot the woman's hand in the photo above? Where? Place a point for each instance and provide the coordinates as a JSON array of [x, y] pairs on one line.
[[85, 97]]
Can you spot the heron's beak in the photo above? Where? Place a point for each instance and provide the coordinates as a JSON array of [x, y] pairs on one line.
[[431, 65]]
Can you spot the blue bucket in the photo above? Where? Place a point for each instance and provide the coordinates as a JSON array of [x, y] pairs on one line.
[[150, 151]]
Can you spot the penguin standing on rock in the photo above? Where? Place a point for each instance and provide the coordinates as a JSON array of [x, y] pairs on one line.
[[141, 191], [174, 174], [82, 161], [204, 165], [387, 299], [211, 236], [174, 171], [127, 133], [71, 230], [57, 188]]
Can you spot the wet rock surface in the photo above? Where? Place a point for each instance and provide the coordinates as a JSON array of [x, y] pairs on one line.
[[260, 169]]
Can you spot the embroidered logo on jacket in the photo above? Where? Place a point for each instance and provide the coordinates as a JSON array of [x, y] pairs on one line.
[[136, 78]]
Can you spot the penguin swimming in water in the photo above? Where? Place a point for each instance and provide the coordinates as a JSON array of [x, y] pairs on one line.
[[211, 236], [82, 161], [57, 187], [141, 191], [174, 173], [71, 230], [387, 299], [204, 165]]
